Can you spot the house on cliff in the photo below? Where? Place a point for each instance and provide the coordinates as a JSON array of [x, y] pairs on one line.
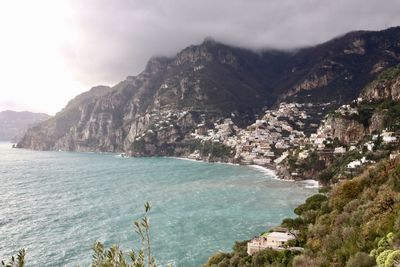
[[276, 240]]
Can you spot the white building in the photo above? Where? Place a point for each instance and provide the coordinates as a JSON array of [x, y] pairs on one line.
[[339, 150], [274, 240], [357, 163]]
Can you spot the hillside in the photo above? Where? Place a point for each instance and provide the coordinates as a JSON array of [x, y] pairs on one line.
[[13, 124], [158, 111], [357, 224], [355, 219]]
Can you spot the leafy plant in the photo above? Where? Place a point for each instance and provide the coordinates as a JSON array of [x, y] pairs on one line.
[[114, 257], [19, 261]]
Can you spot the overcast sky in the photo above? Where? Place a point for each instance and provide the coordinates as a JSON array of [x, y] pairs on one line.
[[51, 50]]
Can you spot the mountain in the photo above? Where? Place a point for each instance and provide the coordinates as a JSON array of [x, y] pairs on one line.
[[157, 111], [376, 109], [13, 123], [386, 87], [354, 220], [355, 224]]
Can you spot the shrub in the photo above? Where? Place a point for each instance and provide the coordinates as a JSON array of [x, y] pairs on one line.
[[19, 261], [393, 259], [312, 203], [217, 258], [303, 261], [115, 257], [381, 259], [345, 192], [361, 259]]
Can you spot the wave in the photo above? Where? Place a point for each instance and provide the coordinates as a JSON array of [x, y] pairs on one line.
[[309, 183]]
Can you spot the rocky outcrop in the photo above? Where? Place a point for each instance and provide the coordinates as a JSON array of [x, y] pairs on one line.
[[375, 110], [337, 70], [346, 130], [377, 121], [386, 87], [155, 112]]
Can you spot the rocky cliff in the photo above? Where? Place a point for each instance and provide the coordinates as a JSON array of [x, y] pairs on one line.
[[386, 87], [155, 112], [346, 130], [377, 108]]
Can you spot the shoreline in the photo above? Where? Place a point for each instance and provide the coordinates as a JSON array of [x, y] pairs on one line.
[[269, 170]]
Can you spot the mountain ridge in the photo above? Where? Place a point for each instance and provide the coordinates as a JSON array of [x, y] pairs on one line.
[[14, 123], [209, 82]]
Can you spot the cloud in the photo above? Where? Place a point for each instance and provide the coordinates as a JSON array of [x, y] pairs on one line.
[[116, 38], [52, 50]]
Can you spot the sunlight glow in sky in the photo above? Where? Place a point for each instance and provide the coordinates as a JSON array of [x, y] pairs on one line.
[[32, 66], [52, 50]]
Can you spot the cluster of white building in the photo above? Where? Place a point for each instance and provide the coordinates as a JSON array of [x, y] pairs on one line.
[[277, 130], [347, 110], [271, 138], [164, 119]]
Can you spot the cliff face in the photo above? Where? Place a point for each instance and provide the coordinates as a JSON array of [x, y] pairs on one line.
[[376, 109], [346, 130], [386, 87], [160, 106], [155, 112], [338, 69]]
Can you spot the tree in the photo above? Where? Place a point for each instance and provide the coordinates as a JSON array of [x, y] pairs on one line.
[[18, 262], [393, 259], [143, 230], [114, 257], [381, 259], [361, 259]]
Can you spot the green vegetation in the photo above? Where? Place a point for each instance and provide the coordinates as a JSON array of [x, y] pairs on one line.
[[214, 149], [357, 213], [239, 258], [385, 254], [357, 223], [18, 261], [312, 163], [113, 256], [209, 150], [346, 226], [388, 74], [389, 109], [338, 168]]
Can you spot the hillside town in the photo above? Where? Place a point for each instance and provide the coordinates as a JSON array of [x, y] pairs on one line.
[[292, 131], [266, 140]]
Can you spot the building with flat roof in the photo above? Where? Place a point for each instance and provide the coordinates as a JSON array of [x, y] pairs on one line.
[[273, 240]]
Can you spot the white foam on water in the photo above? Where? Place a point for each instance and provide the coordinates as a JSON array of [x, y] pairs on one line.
[[309, 183], [269, 172]]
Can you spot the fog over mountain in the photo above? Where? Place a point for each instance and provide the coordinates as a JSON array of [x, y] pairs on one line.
[[65, 47], [133, 31], [157, 111]]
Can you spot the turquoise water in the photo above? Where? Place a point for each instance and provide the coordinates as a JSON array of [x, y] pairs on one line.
[[56, 204]]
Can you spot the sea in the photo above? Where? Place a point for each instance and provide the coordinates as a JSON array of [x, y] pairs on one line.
[[57, 204]]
